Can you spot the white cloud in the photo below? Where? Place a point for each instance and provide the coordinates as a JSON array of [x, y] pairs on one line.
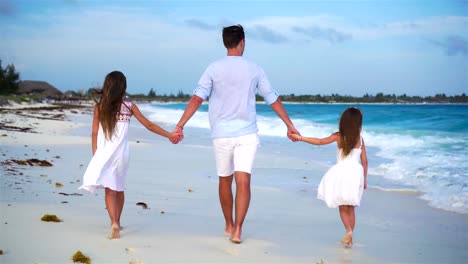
[[166, 53], [442, 25]]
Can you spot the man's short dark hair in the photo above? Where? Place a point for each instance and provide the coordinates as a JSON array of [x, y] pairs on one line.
[[232, 36]]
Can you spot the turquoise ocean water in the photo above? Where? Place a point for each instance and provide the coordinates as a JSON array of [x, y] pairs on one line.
[[416, 147]]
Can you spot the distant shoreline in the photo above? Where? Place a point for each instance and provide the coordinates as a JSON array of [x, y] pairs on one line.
[[25, 101], [361, 103]]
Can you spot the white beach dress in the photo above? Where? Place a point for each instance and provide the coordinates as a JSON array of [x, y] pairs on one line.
[[109, 165], [343, 183]]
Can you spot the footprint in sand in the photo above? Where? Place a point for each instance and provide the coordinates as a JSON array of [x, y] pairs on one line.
[[133, 259], [232, 250]]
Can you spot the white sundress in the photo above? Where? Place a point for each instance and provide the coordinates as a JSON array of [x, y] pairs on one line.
[[109, 165], [343, 183]]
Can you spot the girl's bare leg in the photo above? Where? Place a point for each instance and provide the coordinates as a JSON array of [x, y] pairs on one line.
[[111, 205], [352, 219], [120, 205], [347, 222]]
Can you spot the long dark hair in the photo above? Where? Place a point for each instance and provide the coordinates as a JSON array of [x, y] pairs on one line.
[[350, 129], [110, 101]]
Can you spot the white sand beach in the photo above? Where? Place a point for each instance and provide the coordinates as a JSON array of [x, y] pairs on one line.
[[183, 222]]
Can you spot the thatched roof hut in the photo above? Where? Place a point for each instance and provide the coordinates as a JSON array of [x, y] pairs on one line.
[[38, 88]]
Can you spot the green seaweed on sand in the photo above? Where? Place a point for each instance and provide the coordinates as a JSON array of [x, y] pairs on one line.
[[50, 218], [30, 162], [58, 185], [81, 258]]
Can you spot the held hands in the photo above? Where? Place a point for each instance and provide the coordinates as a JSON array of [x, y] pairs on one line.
[[296, 137], [174, 137], [293, 134], [179, 132]]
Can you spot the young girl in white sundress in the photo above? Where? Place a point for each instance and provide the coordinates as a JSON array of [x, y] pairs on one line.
[[343, 184], [109, 164]]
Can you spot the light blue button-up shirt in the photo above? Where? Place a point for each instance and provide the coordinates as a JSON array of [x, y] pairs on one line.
[[230, 85]]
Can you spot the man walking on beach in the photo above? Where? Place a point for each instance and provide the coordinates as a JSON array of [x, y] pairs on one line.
[[230, 84]]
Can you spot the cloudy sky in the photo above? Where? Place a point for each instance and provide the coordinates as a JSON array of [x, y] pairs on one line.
[[350, 47]]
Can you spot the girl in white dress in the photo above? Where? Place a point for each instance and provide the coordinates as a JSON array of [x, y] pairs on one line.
[[343, 184], [109, 164]]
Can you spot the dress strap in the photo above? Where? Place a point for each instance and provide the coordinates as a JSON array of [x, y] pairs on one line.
[[128, 105], [360, 147]]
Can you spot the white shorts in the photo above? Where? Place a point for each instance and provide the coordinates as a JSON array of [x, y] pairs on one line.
[[235, 154]]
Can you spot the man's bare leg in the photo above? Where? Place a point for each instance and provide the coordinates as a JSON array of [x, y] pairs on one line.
[[242, 203], [225, 197]]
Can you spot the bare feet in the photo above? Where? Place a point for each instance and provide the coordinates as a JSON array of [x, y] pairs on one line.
[[120, 227], [235, 240], [348, 238], [228, 230], [115, 232], [236, 236]]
